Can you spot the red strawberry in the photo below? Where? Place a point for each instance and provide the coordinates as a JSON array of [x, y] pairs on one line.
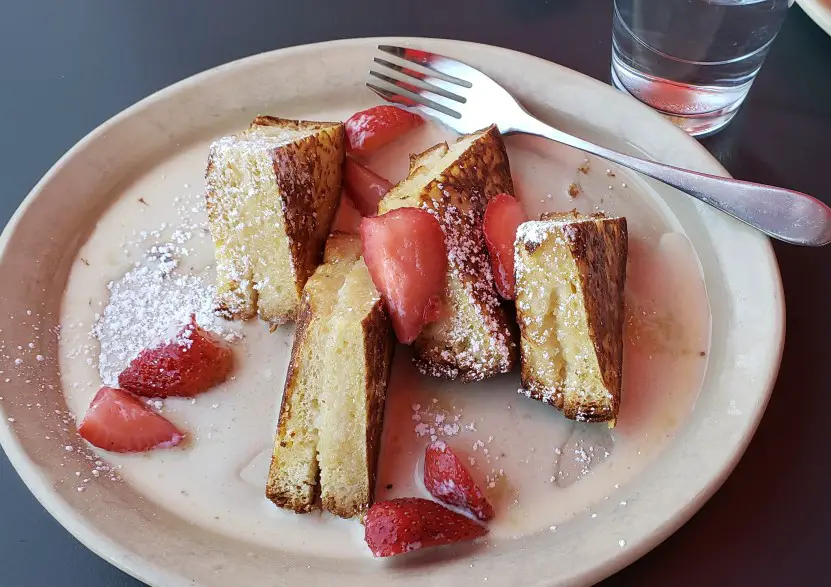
[[448, 481], [120, 422], [407, 259], [191, 363], [347, 218], [370, 129], [502, 218], [364, 186], [410, 523]]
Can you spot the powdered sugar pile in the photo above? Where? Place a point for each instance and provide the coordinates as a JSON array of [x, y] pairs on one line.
[[152, 302], [144, 305]]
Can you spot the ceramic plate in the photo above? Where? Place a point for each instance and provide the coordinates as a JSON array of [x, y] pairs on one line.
[[819, 11], [575, 503]]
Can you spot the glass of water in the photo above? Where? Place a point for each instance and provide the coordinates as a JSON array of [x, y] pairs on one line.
[[693, 60]]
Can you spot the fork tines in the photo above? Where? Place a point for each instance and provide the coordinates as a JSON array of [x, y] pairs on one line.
[[418, 79]]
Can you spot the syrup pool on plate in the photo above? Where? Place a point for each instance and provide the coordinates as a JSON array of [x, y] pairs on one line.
[[149, 263]]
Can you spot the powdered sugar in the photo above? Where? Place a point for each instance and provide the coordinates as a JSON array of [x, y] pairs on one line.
[[473, 349], [534, 232], [435, 422], [264, 203], [152, 302]]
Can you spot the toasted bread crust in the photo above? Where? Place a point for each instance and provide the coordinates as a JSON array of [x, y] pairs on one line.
[[306, 182], [297, 177], [266, 120], [601, 259], [291, 494], [328, 434], [379, 346], [472, 339], [598, 247], [291, 483]]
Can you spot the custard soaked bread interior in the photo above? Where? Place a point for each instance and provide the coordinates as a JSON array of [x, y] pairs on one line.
[[357, 367], [328, 434], [570, 274], [272, 192], [471, 339], [292, 479]]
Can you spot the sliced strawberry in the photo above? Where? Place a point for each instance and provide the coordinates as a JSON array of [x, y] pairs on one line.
[[364, 186], [407, 259], [448, 481], [347, 218], [410, 523], [193, 362], [370, 129], [120, 422], [502, 218]]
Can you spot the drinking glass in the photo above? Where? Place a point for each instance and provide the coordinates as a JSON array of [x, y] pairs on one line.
[[693, 60]]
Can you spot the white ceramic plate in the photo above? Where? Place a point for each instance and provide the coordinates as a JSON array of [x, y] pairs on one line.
[[819, 11], [157, 146]]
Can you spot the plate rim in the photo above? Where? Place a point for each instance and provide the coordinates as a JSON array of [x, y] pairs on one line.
[[819, 13], [148, 571]]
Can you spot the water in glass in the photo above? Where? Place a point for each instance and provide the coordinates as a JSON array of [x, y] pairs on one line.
[[693, 60]]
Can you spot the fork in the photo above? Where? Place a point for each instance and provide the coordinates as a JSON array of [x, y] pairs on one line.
[[466, 100]]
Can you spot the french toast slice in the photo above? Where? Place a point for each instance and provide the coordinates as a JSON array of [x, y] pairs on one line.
[[352, 399], [570, 274], [272, 192], [471, 339], [328, 433], [293, 475]]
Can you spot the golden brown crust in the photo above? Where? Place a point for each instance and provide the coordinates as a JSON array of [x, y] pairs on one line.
[[299, 499], [582, 411], [328, 435], [309, 210], [600, 249], [299, 201], [597, 247], [293, 484], [297, 176], [379, 346], [570, 216], [472, 339], [266, 120]]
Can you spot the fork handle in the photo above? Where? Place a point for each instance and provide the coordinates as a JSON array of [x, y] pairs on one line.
[[783, 214]]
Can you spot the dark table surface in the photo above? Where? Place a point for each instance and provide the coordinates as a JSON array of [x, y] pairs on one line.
[[65, 67]]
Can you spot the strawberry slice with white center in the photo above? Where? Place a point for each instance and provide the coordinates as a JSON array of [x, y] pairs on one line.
[[407, 259], [364, 186], [190, 364], [375, 127], [503, 216], [411, 523], [118, 421], [446, 478]]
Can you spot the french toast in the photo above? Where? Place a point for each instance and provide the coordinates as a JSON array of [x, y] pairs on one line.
[[472, 339], [328, 433], [570, 275], [272, 192]]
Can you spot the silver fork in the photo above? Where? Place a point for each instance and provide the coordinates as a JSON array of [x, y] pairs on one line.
[[467, 100]]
